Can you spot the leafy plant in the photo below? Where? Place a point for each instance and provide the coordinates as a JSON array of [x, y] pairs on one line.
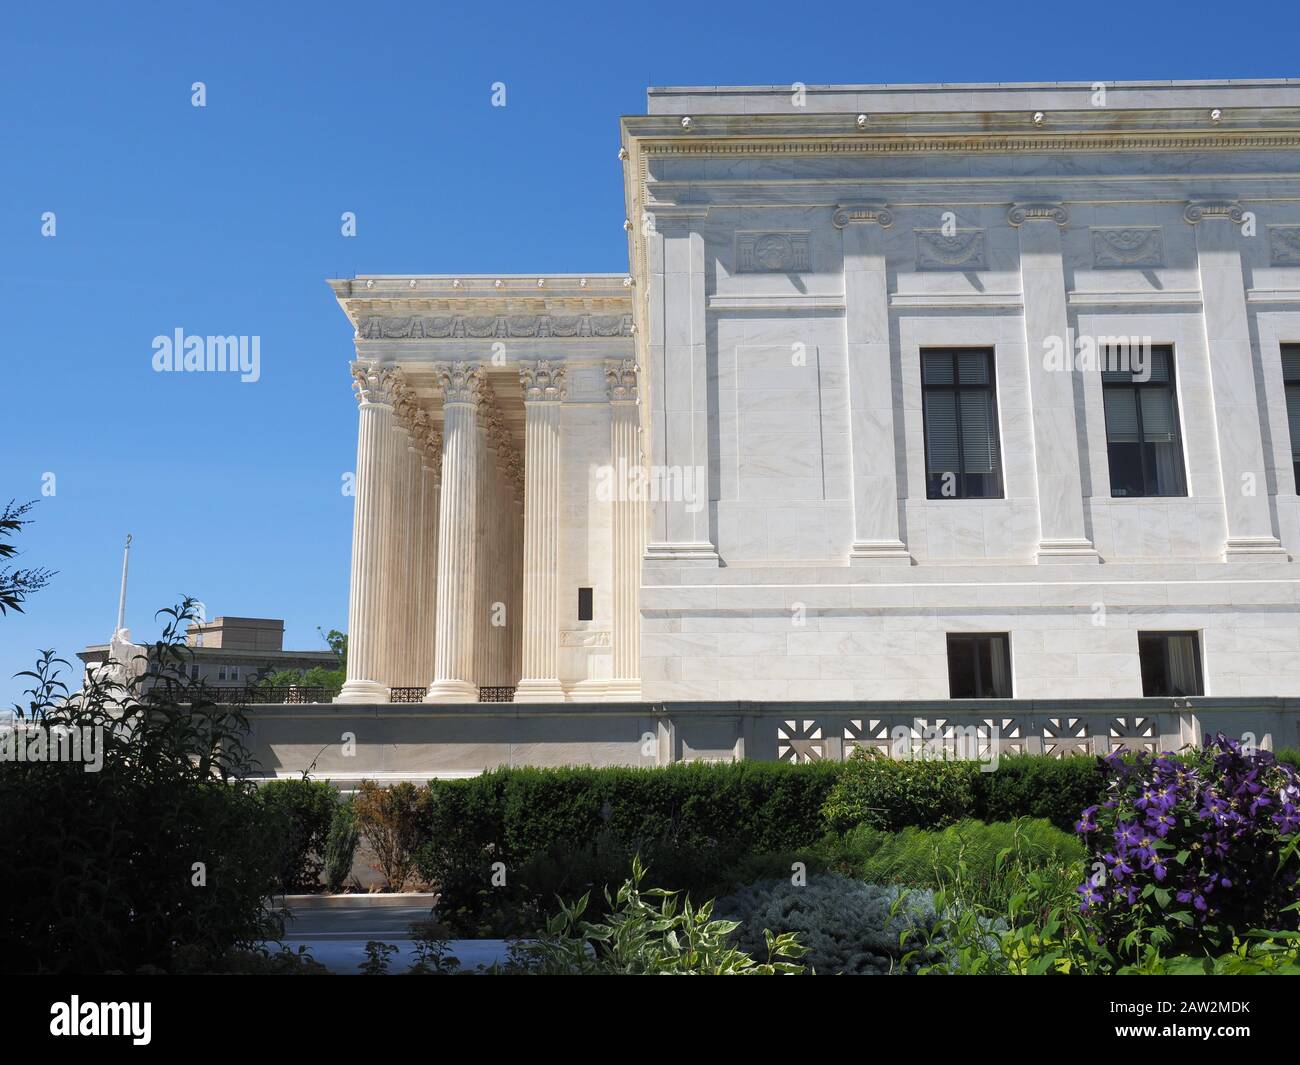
[[340, 846], [889, 794], [387, 819], [17, 584], [647, 934], [304, 810], [166, 845], [1191, 853]]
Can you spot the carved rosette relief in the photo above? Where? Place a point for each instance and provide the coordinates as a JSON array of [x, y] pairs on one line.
[[1128, 246], [542, 380], [961, 250], [772, 252]]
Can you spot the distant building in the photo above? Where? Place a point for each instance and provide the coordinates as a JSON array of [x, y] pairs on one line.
[[231, 652]]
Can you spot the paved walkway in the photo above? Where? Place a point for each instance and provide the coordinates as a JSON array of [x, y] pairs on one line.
[[336, 928]]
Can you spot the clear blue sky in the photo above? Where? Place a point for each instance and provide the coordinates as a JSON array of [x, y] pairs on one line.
[[225, 220]]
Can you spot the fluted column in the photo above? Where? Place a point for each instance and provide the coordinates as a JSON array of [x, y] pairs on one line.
[[543, 384], [370, 535], [484, 521], [626, 522], [457, 524], [426, 623], [414, 423]]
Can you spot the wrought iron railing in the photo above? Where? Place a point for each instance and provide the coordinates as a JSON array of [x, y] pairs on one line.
[[292, 693], [497, 694], [406, 695]]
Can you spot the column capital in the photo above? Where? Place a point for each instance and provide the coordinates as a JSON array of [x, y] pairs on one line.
[[432, 442], [461, 382], [860, 213], [374, 383], [543, 381], [1200, 210], [1020, 213], [621, 380]]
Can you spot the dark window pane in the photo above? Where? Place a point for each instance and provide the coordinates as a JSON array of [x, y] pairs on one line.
[[962, 452], [1171, 663], [1144, 444], [979, 666], [584, 604]]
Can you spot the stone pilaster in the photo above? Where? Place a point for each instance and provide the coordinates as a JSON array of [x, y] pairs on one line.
[[680, 529], [876, 536], [453, 677], [627, 522], [543, 384], [1232, 359], [1063, 535], [371, 535]]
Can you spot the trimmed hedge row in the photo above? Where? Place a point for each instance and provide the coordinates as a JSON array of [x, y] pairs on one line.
[[499, 842]]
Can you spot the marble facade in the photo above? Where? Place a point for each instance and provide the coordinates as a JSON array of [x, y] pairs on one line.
[[791, 255]]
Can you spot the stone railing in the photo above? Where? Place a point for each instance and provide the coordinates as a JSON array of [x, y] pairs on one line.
[[423, 740]]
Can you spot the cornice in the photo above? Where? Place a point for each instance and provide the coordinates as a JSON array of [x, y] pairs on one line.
[[461, 327]]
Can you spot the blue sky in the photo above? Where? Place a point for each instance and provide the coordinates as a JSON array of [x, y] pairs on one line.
[[226, 220]]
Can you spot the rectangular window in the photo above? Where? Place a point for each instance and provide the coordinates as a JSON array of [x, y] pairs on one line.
[[963, 459], [234, 672], [1143, 441], [584, 604], [1291, 375], [1171, 663], [979, 666], [221, 673]]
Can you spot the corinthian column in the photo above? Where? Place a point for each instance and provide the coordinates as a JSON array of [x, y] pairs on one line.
[[453, 670], [626, 526], [427, 613], [371, 535], [543, 384]]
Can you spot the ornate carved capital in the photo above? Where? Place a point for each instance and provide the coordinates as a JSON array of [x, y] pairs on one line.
[[621, 380], [542, 380], [432, 448], [406, 406], [1200, 210], [374, 383], [1021, 213], [461, 382], [860, 213]]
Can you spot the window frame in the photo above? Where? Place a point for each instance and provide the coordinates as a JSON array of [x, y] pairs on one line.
[[957, 388], [1172, 387], [973, 639], [1164, 635], [1289, 384]]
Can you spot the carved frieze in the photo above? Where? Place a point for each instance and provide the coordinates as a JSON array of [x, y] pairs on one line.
[[585, 638], [962, 249], [492, 326], [784, 251], [1128, 246], [1284, 245]]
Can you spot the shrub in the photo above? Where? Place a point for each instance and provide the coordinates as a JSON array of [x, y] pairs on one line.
[[305, 809], [387, 818], [890, 794], [1192, 852], [978, 862], [640, 938], [340, 846], [569, 831], [165, 847], [1032, 785], [847, 926]]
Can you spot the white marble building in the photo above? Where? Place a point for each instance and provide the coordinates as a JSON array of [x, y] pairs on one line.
[[856, 356]]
